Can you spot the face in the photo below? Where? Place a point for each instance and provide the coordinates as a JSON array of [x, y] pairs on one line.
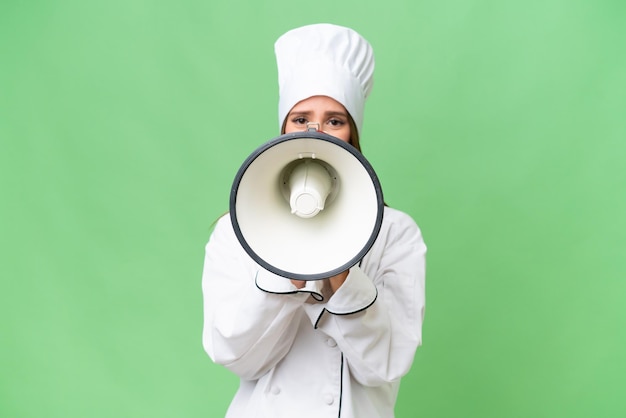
[[331, 116]]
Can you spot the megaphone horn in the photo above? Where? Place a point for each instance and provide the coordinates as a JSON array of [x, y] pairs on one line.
[[306, 205]]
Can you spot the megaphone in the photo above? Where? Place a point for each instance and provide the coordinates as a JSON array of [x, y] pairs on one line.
[[306, 205]]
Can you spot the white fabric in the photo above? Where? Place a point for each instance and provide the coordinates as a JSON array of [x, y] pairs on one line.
[[299, 357], [324, 60]]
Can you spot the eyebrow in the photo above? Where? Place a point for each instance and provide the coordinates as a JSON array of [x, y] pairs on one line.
[[327, 113]]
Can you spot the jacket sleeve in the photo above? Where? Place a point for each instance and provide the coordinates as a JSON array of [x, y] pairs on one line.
[[376, 315], [245, 329]]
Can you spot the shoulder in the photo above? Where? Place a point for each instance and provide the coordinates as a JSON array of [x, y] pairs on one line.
[[398, 219], [223, 221], [400, 228], [223, 242], [223, 231]]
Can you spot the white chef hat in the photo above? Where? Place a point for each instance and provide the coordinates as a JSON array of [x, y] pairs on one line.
[[324, 60]]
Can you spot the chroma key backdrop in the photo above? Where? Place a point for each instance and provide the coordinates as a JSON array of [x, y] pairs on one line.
[[498, 126]]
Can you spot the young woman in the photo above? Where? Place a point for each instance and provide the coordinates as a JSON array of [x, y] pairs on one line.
[[343, 353]]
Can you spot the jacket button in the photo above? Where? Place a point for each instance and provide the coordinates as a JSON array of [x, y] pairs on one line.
[[329, 399], [275, 390], [331, 342]]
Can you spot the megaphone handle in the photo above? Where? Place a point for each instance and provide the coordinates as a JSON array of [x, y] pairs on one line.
[[313, 127]]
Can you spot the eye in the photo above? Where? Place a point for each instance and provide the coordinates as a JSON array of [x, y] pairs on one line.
[[336, 122], [299, 120]]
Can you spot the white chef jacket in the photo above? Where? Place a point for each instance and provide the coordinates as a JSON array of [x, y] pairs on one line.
[[300, 353]]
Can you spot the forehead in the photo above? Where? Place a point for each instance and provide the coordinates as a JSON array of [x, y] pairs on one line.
[[318, 103]]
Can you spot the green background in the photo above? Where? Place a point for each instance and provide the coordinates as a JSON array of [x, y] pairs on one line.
[[498, 125]]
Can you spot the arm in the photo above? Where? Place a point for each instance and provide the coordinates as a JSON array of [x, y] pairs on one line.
[[245, 329], [376, 315]]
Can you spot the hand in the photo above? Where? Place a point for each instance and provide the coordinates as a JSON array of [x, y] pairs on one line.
[[299, 284], [337, 281]]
